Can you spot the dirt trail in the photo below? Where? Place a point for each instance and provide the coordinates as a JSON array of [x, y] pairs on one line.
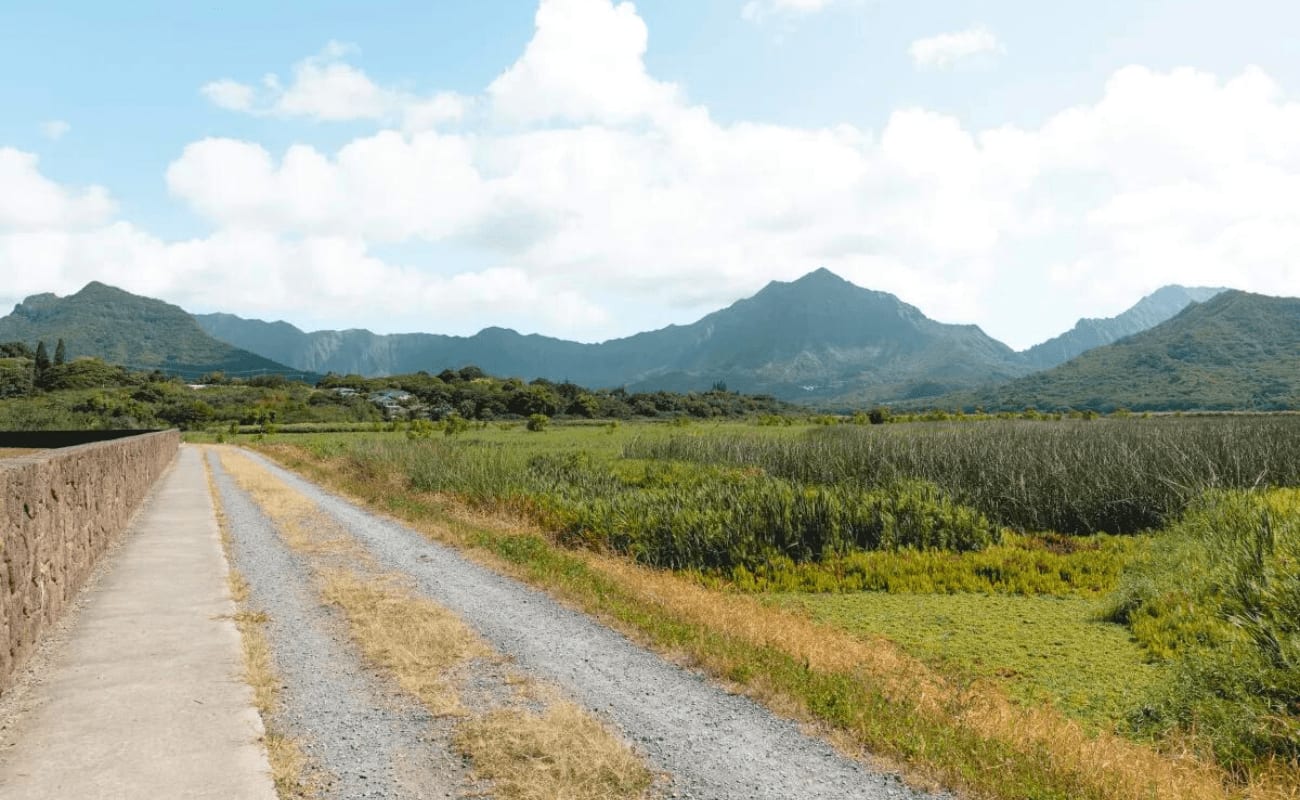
[[362, 737], [713, 744]]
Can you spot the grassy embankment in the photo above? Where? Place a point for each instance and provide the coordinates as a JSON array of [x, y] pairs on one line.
[[920, 512]]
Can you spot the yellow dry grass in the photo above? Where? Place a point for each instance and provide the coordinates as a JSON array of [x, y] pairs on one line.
[[14, 452], [417, 641], [287, 761], [1109, 765], [299, 521], [558, 752]]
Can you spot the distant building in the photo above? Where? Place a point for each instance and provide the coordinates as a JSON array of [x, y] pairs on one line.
[[394, 402]]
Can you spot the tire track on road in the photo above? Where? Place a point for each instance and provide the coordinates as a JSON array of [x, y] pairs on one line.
[[715, 745]]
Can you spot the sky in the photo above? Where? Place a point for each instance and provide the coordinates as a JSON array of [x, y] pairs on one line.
[[589, 169]]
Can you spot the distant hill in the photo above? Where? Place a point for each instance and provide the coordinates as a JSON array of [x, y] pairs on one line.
[[1149, 312], [818, 337], [1236, 351], [128, 330]]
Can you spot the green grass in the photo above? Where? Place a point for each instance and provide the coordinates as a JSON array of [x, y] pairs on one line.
[[1078, 477], [1039, 648]]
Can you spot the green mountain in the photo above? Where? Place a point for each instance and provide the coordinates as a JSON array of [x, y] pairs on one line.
[[1236, 351], [1088, 333], [816, 338], [128, 330]]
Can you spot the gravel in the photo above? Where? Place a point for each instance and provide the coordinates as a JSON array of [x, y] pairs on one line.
[[713, 744], [363, 737]]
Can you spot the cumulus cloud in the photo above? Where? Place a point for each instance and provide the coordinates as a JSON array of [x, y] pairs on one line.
[[55, 129], [947, 49], [624, 206], [326, 88], [31, 201], [585, 63]]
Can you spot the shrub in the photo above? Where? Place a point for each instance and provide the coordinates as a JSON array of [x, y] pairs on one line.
[[537, 422], [1219, 595]]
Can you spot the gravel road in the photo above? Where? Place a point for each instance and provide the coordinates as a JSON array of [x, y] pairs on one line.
[[370, 740], [714, 745]]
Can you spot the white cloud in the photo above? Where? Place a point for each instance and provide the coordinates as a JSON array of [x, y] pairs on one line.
[[228, 94], [947, 49], [30, 201], [55, 129], [326, 88], [762, 10], [584, 64], [622, 206]]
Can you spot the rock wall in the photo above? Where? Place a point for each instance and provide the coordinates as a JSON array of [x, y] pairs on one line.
[[59, 512]]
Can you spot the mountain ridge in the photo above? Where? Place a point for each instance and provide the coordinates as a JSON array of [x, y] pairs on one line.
[[1235, 351], [813, 337], [1092, 332], [128, 330]]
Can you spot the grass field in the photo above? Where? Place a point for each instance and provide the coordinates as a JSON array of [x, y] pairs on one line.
[[1178, 637], [1051, 649]]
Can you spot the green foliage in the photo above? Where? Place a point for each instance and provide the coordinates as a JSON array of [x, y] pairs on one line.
[[1218, 596], [16, 376], [537, 422], [1237, 351], [453, 424], [1023, 565], [420, 429], [1116, 476], [1038, 648], [681, 515], [42, 358]]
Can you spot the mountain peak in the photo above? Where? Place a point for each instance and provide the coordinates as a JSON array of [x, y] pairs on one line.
[[820, 279], [1157, 307], [127, 329]]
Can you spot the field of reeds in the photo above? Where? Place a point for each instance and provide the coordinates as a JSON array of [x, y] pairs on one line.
[[1169, 543]]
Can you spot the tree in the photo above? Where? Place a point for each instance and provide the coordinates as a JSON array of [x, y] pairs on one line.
[[42, 358], [60, 354], [42, 365]]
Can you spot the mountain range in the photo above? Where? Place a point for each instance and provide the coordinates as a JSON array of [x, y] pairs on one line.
[[813, 338], [129, 330], [818, 339], [1089, 333], [1236, 351]]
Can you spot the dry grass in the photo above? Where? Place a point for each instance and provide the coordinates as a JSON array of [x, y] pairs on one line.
[[287, 761], [15, 452], [419, 642], [301, 523], [557, 751], [1099, 765]]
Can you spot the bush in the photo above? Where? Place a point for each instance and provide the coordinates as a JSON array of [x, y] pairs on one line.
[[1219, 596], [1112, 476], [537, 422]]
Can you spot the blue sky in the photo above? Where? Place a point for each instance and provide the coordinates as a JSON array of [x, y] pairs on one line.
[[446, 166]]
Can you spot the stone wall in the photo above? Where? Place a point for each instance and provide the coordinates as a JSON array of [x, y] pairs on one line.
[[59, 512]]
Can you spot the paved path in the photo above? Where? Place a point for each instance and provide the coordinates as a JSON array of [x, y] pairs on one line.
[[146, 698]]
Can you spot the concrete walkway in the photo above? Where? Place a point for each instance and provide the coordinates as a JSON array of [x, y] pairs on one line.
[[146, 699]]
